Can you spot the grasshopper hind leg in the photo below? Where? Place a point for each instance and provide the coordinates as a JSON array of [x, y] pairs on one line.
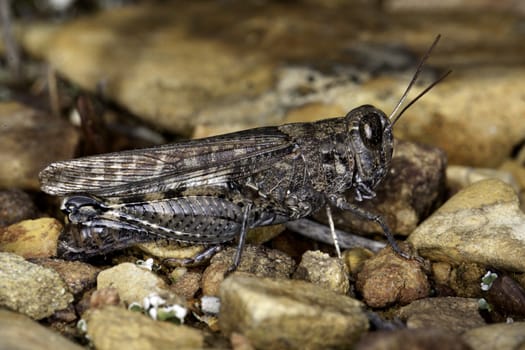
[[209, 252]]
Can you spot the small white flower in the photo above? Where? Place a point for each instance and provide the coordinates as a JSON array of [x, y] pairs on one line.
[[153, 300], [153, 313]]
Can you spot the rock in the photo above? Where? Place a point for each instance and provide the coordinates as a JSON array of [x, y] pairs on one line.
[[263, 234], [104, 297], [465, 280], [284, 314], [481, 224], [322, 270], [476, 125], [134, 283], [506, 298], [185, 283], [501, 336], [116, 328], [517, 169], [173, 77], [459, 177], [79, 276], [386, 279], [15, 205], [355, 258], [256, 260], [20, 332], [413, 187], [31, 289], [31, 238], [170, 250], [411, 339], [26, 132], [449, 314]]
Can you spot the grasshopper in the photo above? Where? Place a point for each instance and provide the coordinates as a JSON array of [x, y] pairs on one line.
[[210, 191]]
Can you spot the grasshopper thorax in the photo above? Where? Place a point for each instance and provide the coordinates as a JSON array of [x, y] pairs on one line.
[[371, 142]]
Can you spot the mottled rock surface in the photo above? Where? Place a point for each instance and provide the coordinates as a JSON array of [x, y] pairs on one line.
[[31, 289], [31, 238], [281, 314], [482, 223], [114, 328], [20, 332]]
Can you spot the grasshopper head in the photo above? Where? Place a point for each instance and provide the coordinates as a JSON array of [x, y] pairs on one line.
[[371, 143]]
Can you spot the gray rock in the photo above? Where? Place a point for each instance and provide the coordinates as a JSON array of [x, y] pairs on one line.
[[15, 205], [21, 333], [481, 224], [284, 314], [501, 336], [114, 328], [31, 289], [326, 272], [449, 314]]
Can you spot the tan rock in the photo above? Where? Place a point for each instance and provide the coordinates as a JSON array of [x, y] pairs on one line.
[[387, 278], [31, 289], [116, 328], [20, 332], [31, 238], [481, 224], [284, 314], [322, 270]]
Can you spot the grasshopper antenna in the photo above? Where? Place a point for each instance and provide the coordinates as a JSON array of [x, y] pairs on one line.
[[393, 117]]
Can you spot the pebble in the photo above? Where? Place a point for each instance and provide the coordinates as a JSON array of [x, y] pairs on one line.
[[79, 276], [463, 279], [449, 314], [20, 332], [31, 238], [481, 224], [501, 336], [134, 283], [459, 177], [170, 250], [185, 283], [289, 314], [322, 270], [506, 298], [30, 289], [115, 328], [256, 260], [388, 279], [412, 339], [15, 205]]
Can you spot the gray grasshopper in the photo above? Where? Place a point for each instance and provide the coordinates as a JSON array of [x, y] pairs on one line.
[[212, 190]]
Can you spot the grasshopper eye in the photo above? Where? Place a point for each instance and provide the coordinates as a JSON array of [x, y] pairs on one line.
[[371, 130]]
